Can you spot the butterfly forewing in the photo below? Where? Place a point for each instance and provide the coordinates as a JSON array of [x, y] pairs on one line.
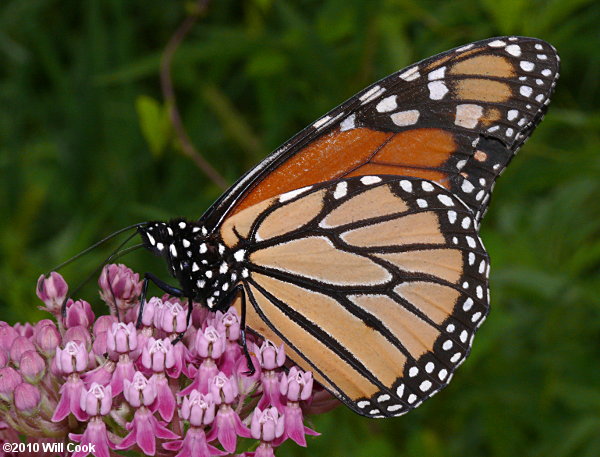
[[456, 118], [376, 284]]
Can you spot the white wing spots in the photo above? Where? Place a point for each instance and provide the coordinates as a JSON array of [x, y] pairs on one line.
[[526, 65], [201, 283], [368, 180], [539, 47], [406, 185], [173, 250], [239, 255], [493, 128], [204, 231], [466, 223], [514, 50], [497, 44], [151, 239], [245, 273], [467, 187], [482, 266], [475, 317], [465, 285], [340, 190], [539, 98], [208, 274], [471, 258], [221, 249], [468, 304], [460, 164], [223, 268], [471, 241], [210, 302], [509, 132], [410, 74], [542, 56], [437, 74], [437, 90], [203, 248], [512, 114], [400, 390], [447, 345], [413, 372], [294, 193], [522, 122], [160, 246], [479, 292], [525, 91], [546, 72], [444, 199], [195, 229], [539, 82], [468, 115], [348, 123], [394, 408], [412, 398], [425, 385], [427, 186], [442, 374], [464, 48], [404, 118], [186, 243], [195, 267], [326, 120], [383, 397], [429, 367], [321, 121], [182, 225], [363, 404], [169, 231], [387, 104], [371, 94], [422, 203], [224, 287], [452, 217]]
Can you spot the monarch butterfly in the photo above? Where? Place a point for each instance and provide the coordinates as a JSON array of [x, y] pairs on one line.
[[356, 243]]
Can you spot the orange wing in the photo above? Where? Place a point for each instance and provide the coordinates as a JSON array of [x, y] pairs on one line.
[[457, 119]]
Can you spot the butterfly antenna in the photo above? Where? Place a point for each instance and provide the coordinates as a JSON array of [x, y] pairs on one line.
[[114, 255], [95, 245]]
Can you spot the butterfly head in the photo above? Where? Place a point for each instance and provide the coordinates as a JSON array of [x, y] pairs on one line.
[[202, 265]]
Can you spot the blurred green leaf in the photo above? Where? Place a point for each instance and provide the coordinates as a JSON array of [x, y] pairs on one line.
[[154, 123]]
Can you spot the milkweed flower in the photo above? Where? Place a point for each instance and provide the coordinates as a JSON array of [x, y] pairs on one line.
[[108, 382]]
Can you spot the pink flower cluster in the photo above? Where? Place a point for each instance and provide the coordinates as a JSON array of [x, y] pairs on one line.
[[103, 382]]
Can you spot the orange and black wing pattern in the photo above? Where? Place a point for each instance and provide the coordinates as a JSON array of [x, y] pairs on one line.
[[358, 238], [456, 119], [375, 284]]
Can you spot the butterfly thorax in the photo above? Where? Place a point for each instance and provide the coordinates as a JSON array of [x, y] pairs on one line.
[[205, 268]]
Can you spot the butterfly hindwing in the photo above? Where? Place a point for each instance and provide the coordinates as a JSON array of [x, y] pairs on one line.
[[456, 118], [376, 284]]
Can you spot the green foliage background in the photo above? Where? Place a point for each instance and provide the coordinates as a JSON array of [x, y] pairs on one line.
[[85, 150]]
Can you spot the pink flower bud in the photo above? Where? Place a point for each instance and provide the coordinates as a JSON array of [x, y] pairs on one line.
[[231, 322], [104, 323], [25, 329], [7, 336], [158, 355], [173, 318], [267, 425], [79, 313], [97, 401], [210, 343], [9, 379], [198, 409], [20, 345], [122, 338], [223, 389], [119, 283], [140, 391], [27, 398], [32, 366], [270, 356], [80, 335], [296, 385], [72, 359], [148, 314], [47, 338], [52, 291]]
